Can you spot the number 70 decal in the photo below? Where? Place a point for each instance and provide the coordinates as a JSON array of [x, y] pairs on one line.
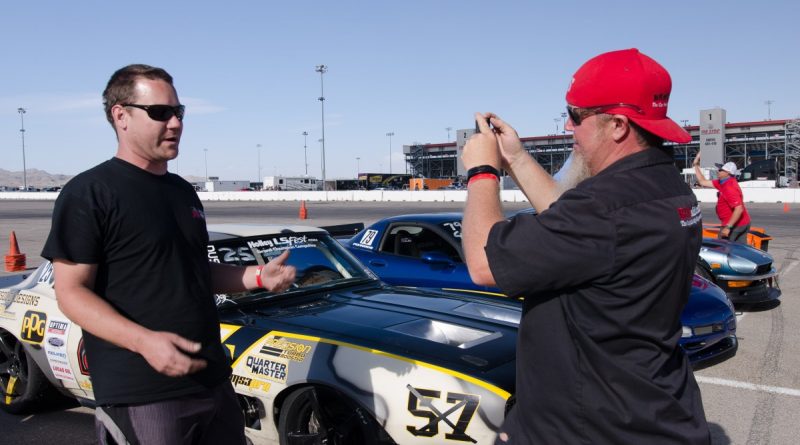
[[467, 403]]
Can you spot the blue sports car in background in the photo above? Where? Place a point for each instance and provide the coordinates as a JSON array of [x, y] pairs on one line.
[[425, 251], [746, 274]]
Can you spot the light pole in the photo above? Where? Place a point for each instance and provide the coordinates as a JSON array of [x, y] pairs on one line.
[[769, 103], [322, 69], [205, 157], [305, 149], [556, 120], [563, 123], [21, 112], [685, 147], [448, 133], [258, 147], [358, 166], [322, 143], [390, 134]]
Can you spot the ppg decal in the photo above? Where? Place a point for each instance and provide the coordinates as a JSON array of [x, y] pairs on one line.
[[33, 327]]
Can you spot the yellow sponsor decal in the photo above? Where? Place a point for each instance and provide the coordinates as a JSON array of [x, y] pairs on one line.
[[254, 384], [33, 327], [277, 346]]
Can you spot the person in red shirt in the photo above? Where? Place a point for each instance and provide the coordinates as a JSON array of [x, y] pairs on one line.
[[731, 211]]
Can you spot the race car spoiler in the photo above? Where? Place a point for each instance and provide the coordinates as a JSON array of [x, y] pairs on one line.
[[344, 230]]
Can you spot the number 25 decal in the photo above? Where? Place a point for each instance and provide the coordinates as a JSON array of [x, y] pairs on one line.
[[420, 404]]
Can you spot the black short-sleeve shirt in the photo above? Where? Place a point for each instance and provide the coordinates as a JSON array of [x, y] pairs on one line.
[[147, 235], [605, 272]]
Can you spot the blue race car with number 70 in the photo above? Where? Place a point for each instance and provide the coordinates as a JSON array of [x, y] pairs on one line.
[[424, 250]]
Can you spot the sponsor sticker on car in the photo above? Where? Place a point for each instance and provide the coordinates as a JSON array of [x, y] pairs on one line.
[[54, 346], [367, 239]]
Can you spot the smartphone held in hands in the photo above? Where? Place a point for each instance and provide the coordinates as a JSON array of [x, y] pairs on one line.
[[478, 128]]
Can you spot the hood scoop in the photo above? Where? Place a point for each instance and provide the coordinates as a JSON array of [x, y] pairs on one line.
[[445, 333]]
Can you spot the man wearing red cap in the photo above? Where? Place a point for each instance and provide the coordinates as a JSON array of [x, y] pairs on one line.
[[731, 211], [605, 267]]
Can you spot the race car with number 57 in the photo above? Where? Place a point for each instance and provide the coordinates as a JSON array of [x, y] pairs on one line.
[[339, 358]]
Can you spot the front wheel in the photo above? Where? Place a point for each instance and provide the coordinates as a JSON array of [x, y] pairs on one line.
[[23, 386], [311, 416]]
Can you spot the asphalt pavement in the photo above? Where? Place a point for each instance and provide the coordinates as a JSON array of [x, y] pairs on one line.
[[752, 398]]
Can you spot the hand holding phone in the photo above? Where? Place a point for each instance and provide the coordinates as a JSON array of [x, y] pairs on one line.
[[478, 128]]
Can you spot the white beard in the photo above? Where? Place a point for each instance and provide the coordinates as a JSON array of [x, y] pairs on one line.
[[577, 171]]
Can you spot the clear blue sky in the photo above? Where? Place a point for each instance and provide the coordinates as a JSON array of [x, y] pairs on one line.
[[245, 70]]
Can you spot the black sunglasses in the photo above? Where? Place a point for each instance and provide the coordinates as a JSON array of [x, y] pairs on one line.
[[578, 114], [161, 113]]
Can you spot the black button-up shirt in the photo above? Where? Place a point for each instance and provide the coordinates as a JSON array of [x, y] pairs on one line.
[[605, 273]]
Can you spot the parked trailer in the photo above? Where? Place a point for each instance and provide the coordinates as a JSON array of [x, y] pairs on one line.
[[294, 183]]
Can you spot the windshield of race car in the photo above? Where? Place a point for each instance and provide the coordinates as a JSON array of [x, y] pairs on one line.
[[320, 260]]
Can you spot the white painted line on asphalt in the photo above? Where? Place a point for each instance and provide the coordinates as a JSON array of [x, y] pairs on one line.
[[789, 267], [750, 386]]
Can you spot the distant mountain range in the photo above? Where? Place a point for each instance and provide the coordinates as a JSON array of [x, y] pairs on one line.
[[41, 179], [36, 178]]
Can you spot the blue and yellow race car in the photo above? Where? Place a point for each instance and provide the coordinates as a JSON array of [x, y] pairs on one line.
[[340, 358], [424, 250]]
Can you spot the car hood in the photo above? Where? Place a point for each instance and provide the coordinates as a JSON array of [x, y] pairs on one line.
[[731, 249], [707, 304], [461, 333]]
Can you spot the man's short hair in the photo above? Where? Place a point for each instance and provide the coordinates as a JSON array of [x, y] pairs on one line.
[[120, 88], [644, 138]]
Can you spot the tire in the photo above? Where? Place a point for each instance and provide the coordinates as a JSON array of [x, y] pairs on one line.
[[23, 386], [311, 416]]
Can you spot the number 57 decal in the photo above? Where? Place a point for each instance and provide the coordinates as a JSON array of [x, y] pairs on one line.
[[467, 403]]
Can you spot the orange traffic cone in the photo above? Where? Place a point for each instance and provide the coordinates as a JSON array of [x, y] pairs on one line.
[[785, 207], [303, 210], [15, 261]]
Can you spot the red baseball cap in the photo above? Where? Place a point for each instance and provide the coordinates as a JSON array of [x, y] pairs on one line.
[[636, 82]]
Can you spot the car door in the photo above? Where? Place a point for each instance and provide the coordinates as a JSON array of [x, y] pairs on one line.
[[419, 254]]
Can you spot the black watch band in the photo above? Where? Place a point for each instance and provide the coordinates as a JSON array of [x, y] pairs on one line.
[[482, 169]]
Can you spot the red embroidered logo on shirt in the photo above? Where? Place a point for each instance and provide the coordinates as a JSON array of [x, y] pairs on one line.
[[689, 216], [198, 214]]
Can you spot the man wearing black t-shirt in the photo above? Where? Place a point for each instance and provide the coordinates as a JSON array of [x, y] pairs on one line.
[[605, 267], [128, 243]]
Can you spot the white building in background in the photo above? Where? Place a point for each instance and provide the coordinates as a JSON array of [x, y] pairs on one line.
[[226, 186], [295, 183]]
